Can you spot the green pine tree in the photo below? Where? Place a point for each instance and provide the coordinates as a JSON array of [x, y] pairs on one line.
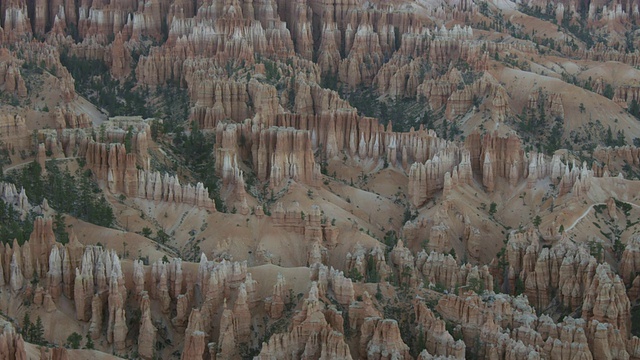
[[73, 341], [26, 326], [89, 345], [127, 139], [36, 332], [59, 228]]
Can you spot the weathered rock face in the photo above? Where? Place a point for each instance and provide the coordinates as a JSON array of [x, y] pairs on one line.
[[16, 20], [41, 156], [275, 305], [229, 153], [458, 97], [348, 40], [462, 100], [13, 131], [329, 54], [606, 300], [117, 323], [382, 337], [230, 56], [318, 234], [263, 34], [531, 334], [344, 132], [40, 256], [160, 285], [361, 311], [311, 335], [10, 76], [83, 293], [194, 339], [438, 341], [403, 260], [400, 77], [17, 279], [438, 91], [219, 278], [11, 343], [425, 180], [138, 277], [242, 316], [551, 104], [65, 118], [364, 138], [404, 76], [34, 53], [365, 56], [227, 339], [572, 273], [609, 156], [494, 157], [113, 165], [342, 287], [216, 100], [152, 186], [120, 58], [364, 260], [442, 269], [285, 154], [147, 336], [630, 262], [566, 269], [277, 154], [55, 273]]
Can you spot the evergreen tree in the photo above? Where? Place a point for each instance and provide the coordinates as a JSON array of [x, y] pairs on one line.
[[542, 116], [4, 157], [421, 343], [608, 91], [73, 340], [445, 128], [89, 345], [127, 139], [372, 272], [36, 332], [620, 139], [554, 141], [378, 293], [76, 195], [354, 274], [493, 208], [634, 108], [536, 221], [26, 325], [609, 137], [519, 286], [453, 130], [59, 228], [13, 225], [428, 118]]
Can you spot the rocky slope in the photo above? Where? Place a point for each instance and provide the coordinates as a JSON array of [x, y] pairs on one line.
[[319, 179]]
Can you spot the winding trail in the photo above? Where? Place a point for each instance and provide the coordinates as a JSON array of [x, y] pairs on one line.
[[21, 165], [586, 212]]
